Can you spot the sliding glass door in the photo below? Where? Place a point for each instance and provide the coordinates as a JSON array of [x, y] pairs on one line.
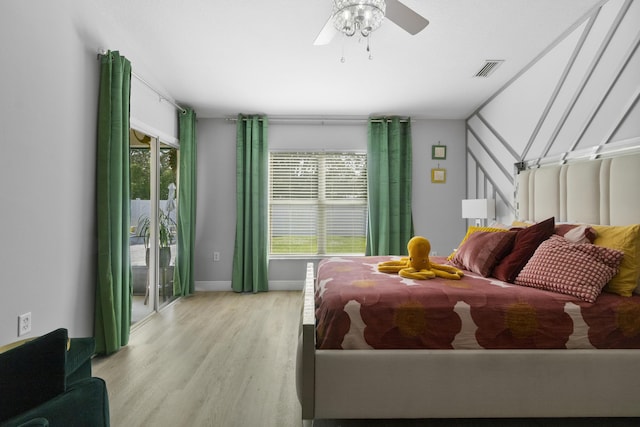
[[154, 172]]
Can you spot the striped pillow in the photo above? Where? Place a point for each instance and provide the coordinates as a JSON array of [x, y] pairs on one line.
[[578, 269]]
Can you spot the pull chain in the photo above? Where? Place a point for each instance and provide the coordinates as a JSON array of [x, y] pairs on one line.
[[343, 59]]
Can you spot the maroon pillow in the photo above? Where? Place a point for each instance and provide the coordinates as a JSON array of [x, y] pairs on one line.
[[524, 245], [482, 250]]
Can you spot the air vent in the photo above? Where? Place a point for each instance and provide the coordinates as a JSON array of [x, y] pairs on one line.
[[489, 67]]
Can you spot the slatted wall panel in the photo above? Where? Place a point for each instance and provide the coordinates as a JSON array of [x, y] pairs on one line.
[[577, 99]]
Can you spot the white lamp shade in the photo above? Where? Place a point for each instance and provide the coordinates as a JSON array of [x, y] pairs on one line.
[[479, 208]]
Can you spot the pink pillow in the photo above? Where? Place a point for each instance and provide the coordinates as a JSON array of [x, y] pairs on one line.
[[526, 242], [482, 251], [578, 269]]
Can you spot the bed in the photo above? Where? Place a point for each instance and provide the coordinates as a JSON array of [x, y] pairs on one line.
[[344, 375]]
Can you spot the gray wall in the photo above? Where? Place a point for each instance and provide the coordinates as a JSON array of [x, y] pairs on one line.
[[436, 207], [48, 110]]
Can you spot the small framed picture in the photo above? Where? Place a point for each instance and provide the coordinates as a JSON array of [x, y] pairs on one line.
[[438, 176], [438, 152]]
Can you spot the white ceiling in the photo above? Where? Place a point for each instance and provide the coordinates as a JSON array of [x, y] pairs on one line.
[[224, 57]]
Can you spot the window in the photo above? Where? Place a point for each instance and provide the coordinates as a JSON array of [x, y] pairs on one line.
[[317, 203]]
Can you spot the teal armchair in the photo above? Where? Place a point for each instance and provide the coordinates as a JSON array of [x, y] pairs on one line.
[[47, 382]]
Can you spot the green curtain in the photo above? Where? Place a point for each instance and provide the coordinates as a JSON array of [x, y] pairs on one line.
[[389, 158], [250, 271], [183, 281], [113, 288]]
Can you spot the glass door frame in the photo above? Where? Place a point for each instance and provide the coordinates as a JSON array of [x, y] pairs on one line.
[[156, 171], [156, 144], [154, 209]]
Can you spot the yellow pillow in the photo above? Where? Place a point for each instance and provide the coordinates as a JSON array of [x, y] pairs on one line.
[[473, 229], [15, 344], [523, 224], [627, 239]]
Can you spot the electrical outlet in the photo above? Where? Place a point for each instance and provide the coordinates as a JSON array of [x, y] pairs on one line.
[[216, 256], [24, 324]]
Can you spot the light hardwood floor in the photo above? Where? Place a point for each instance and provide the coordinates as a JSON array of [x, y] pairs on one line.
[[213, 359]]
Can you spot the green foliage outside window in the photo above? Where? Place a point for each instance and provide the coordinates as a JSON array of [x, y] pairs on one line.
[[140, 169]]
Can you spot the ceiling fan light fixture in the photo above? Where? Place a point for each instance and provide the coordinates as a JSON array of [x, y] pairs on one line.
[[363, 16]]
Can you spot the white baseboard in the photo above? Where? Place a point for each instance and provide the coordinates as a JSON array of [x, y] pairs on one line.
[[225, 285], [213, 285], [286, 285]]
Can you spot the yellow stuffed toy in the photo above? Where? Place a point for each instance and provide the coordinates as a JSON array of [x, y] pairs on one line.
[[417, 265]]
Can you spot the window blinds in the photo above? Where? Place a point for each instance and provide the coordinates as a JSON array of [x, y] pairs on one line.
[[317, 202]]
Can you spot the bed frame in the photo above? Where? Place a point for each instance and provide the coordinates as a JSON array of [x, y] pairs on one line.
[[368, 384]]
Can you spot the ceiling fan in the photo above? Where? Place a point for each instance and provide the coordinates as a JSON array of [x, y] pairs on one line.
[[361, 17]]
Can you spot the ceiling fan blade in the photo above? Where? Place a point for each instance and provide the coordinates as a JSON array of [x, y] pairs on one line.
[[405, 18], [326, 34]]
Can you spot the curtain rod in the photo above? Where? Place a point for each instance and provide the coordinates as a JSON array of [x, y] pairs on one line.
[[161, 96], [147, 84], [320, 120]]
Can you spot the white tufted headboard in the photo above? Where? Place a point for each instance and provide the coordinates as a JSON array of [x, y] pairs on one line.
[[601, 191]]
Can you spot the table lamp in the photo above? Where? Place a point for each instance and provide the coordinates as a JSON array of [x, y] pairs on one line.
[[479, 209]]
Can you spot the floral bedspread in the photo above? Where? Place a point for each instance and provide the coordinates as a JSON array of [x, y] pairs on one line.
[[358, 307]]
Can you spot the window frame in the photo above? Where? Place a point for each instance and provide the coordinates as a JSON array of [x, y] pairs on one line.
[[318, 201]]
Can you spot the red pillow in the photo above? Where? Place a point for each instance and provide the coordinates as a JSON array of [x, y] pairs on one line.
[[482, 251], [578, 269], [524, 245]]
